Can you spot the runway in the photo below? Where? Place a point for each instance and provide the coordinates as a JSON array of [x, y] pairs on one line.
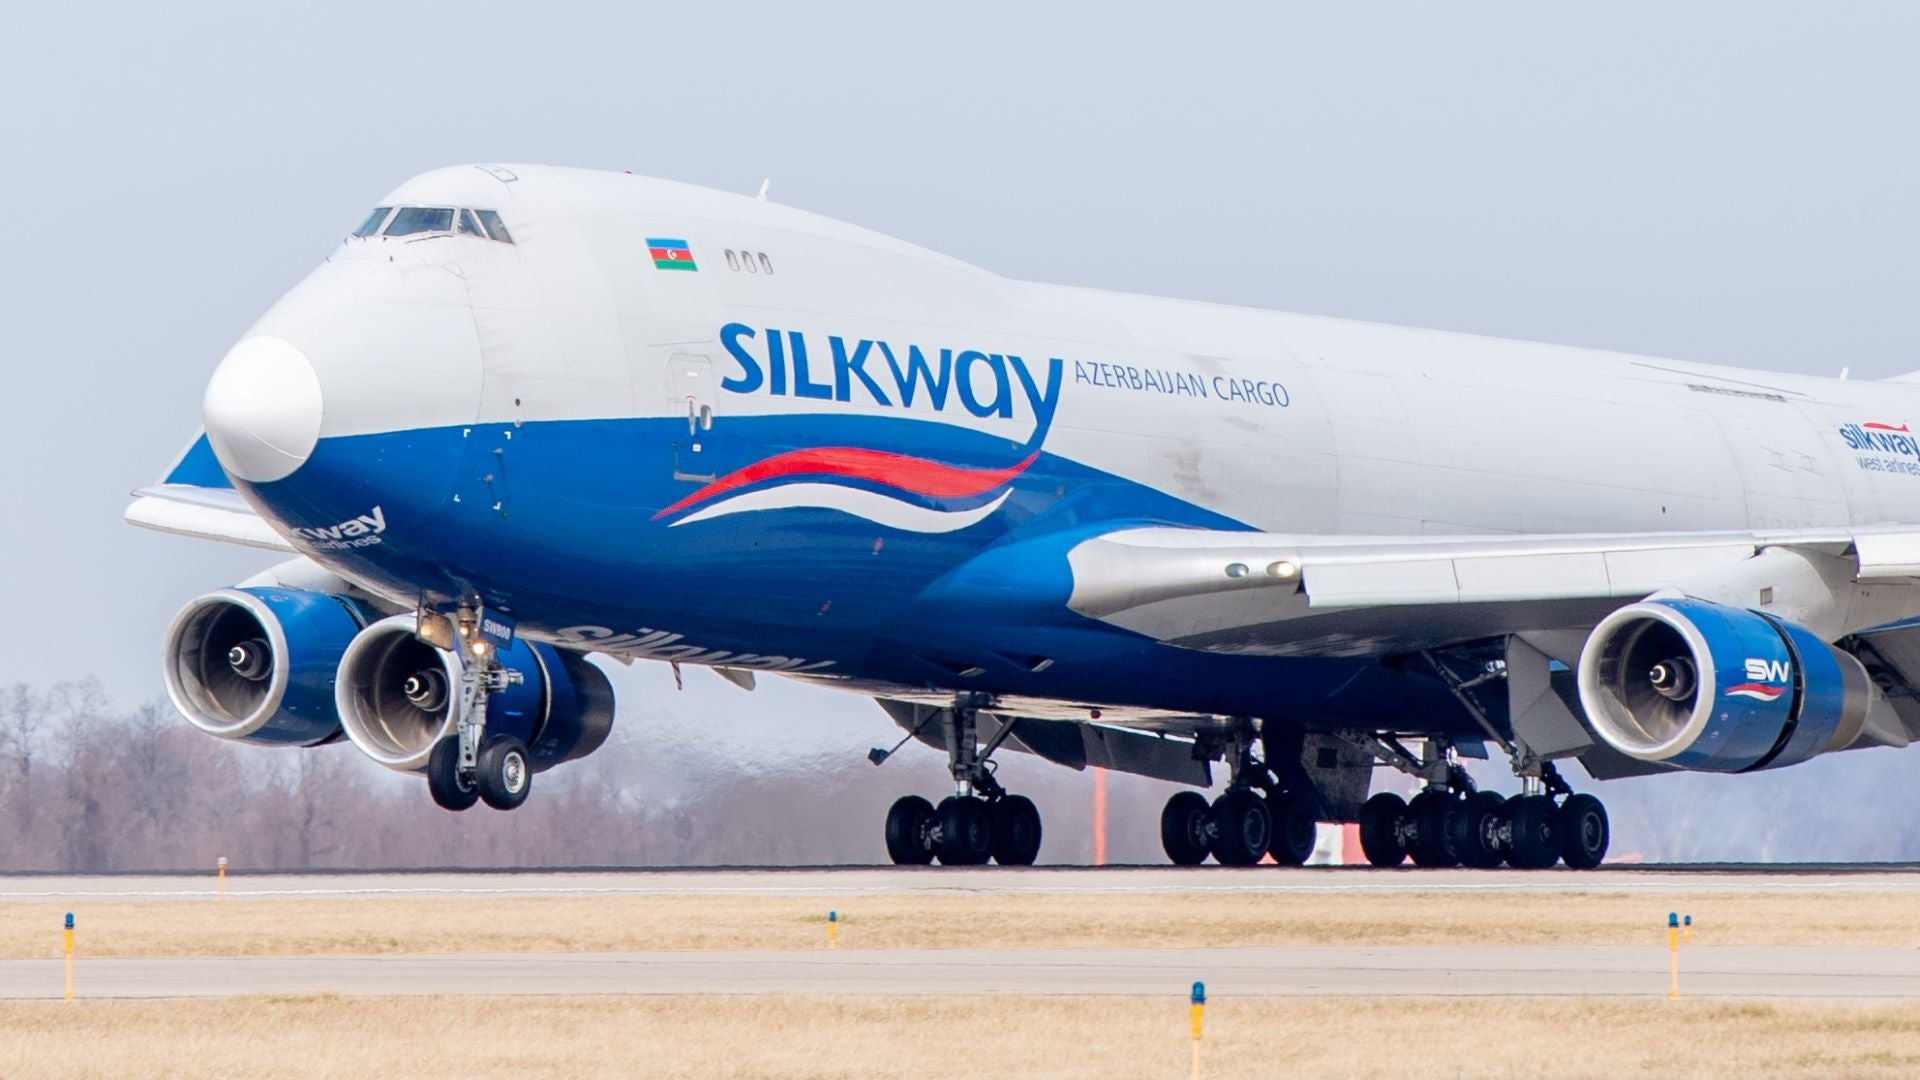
[[881, 881], [775, 945], [1448, 972]]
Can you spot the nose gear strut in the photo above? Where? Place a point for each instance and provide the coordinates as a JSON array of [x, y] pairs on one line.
[[468, 766]]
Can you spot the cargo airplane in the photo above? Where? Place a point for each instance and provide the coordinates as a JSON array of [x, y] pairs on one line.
[[523, 415]]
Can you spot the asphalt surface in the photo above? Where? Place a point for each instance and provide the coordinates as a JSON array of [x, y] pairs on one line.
[[841, 881], [1638, 971]]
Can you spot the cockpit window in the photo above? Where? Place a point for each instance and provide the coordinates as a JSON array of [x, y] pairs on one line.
[[420, 219], [374, 220], [495, 227], [424, 221]]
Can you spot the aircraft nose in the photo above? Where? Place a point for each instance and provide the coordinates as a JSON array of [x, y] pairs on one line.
[[262, 410]]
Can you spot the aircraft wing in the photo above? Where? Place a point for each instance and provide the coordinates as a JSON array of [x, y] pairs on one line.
[[1285, 595], [195, 499]]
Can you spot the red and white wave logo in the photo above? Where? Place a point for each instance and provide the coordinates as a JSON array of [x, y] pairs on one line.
[[1766, 680]]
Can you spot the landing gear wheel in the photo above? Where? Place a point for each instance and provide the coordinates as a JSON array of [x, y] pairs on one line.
[[1016, 831], [1475, 830], [966, 831], [1535, 822], [1431, 812], [1183, 828], [910, 831], [449, 789], [1584, 832], [1243, 828], [1293, 830], [1380, 820], [504, 774]]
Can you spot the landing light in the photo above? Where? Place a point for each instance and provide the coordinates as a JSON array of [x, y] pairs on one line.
[[1282, 569]]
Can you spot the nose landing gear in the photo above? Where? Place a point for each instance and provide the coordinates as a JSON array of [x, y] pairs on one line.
[[468, 766]]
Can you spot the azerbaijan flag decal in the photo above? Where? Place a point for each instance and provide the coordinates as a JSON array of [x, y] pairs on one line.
[[670, 254]]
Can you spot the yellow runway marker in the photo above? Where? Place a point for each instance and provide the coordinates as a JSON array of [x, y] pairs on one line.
[[1673, 955], [833, 929], [69, 956], [1199, 1017]]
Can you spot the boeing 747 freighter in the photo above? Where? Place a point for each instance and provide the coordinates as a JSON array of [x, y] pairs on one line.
[[523, 415]]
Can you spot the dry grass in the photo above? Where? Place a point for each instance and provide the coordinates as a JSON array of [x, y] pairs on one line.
[[240, 927], [525, 1038]]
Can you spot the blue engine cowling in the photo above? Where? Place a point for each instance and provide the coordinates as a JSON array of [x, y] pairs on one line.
[[396, 698], [1712, 688], [257, 664]]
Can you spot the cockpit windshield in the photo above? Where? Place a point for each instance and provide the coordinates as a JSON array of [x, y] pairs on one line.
[[425, 221], [374, 220], [413, 220]]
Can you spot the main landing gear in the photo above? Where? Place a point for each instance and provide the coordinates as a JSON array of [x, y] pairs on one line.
[[1253, 818], [1453, 825], [470, 766], [979, 821]]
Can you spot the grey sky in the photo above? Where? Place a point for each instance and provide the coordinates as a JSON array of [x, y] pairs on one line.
[[1720, 182]]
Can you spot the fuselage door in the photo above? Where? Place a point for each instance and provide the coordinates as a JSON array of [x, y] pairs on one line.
[[695, 391]]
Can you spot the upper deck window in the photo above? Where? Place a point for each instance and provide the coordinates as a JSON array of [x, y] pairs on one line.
[[374, 221], [409, 220], [495, 227]]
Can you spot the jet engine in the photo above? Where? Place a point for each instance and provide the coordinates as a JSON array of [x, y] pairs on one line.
[[257, 664], [1712, 688], [397, 697]]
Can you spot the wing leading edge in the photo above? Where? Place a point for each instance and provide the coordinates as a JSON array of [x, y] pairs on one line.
[[195, 499], [1271, 594]]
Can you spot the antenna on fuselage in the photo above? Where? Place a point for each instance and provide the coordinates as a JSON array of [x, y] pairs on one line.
[[764, 185], [1844, 372]]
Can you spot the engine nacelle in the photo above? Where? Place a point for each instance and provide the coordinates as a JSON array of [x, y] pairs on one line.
[[1712, 688], [397, 695], [257, 664]]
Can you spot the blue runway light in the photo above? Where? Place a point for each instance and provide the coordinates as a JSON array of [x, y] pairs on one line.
[[69, 920], [1673, 920], [1199, 993], [833, 916]]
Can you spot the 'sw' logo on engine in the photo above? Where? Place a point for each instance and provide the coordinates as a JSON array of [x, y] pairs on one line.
[[1760, 673]]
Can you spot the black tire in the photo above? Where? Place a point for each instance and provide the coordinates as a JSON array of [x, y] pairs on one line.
[[910, 831], [1016, 831], [1184, 828], [504, 772], [1432, 812], [1243, 828], [1535, 827], [1475, 830], [1294, 831], [1380, 821], [1584, 832], [449, 789], [966, 831]]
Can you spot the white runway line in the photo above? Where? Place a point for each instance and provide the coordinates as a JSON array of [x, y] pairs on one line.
[[865, 881], [1445, 972]]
